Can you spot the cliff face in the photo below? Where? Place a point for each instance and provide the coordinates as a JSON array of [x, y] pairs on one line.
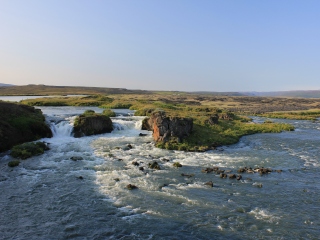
[[164, 128], [20, 123], [86, 125]]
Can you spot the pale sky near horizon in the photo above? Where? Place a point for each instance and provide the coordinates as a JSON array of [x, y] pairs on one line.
[[184, 45]]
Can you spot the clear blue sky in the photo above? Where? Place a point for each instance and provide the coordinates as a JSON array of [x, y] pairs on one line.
[[199, 45]]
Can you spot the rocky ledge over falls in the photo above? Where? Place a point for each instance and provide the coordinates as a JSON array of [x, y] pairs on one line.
[[91, 123], [19, 124], [167, 128]]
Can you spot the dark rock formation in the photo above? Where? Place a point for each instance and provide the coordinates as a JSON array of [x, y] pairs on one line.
[[177, 164], [226, 116], [76, 158], [135, 163], [210, 184], [232, 176], [86, 125], [19, 124], [187, 175], [223, 175], [213, 119], [154, 165], [164, 128], [131, 187]]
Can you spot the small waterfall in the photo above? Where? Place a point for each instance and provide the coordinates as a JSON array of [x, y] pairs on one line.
[[126, 124], [61, 129]]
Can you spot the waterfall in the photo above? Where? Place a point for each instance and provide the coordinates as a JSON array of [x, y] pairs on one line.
[[60, 127]]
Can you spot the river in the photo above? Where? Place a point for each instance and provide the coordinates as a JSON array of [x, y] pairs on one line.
[[52, 196]]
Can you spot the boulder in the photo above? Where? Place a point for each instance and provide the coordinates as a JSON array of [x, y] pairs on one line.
[[210, 184], [19, 124], [232, 176], [86, 125], [213, 119], [164, 128], [154, 165], [131, 186]]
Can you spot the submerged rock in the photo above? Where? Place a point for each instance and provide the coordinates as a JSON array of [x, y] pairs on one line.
[[131, 186], [187, 175], [232, 176], [210, 184], [154, 165], [177, 164], [14, 163], [223, 175], [76, 158], [207, 170]]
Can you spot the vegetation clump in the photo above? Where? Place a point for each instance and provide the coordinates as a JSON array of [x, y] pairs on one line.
[[297, 115], [91, 100], [20, 123], [14, 163], [177, 164], [26, 150], [109, 113], [154, 165]]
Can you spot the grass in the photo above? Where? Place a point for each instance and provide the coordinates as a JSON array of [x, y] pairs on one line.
[[92, 100], [27, 150], [14, 163], [296, 115], [204, 138], [109, 113]]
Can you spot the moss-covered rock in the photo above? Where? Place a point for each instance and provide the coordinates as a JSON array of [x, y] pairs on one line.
[[20, 123], [14, 163], [109, 113], [177, 164], [91, 123], [26, 150]]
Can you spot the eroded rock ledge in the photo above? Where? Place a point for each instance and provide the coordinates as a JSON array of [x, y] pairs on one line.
[[167, 128]]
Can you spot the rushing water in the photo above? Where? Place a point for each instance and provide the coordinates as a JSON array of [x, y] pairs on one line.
[[53, 197]]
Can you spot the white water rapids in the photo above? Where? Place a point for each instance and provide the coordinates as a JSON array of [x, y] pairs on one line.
[[52, 196]]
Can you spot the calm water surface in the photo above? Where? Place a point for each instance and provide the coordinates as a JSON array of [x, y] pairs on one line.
[[45, 198]]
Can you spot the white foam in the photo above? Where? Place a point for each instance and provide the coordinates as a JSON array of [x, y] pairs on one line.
[[264, 215]]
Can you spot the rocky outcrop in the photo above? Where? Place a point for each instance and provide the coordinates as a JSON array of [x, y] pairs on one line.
[[19, 124], [86, 125], [164, 128], [214, 119]]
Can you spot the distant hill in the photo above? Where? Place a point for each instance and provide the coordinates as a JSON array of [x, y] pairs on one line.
[[33, 89], [297, 93], [5, 85], [219, 93]]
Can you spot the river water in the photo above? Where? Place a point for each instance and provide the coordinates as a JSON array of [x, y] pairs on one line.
[[52, 196]]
